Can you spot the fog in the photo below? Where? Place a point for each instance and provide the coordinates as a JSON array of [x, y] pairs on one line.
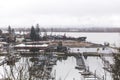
[[25, 13]]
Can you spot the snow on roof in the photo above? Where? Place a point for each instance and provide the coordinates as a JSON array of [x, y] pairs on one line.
[[23, 45], [20, 45]]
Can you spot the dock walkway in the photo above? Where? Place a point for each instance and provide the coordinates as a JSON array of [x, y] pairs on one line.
[[80, 62], [86, 73]]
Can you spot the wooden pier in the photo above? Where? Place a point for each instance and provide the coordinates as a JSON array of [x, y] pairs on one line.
[[87, 73]]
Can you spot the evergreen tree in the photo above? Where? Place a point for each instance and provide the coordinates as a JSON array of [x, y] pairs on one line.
[[45, 35], [9, 29], [13, 32], [37, 29], [37, 32], [0, 32], [33, 34]]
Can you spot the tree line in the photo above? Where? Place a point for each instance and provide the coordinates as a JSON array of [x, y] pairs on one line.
[[35, 33]]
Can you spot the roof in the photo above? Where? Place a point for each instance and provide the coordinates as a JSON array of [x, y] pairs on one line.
[[23, 45]]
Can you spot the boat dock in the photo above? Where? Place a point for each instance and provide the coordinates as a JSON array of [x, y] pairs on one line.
[[80, 62], [86, 73]]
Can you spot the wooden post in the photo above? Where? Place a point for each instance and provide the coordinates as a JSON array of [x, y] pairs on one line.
[[95, 74]]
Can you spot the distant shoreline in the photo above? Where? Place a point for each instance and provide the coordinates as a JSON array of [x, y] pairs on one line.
[[92, 29]]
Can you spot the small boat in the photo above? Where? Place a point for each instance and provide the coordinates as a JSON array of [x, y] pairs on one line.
[[80, 67], [52, 63], [91, 78], [86, 73]]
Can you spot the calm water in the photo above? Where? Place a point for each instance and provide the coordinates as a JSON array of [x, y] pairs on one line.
[[112, 38], [64, 67]]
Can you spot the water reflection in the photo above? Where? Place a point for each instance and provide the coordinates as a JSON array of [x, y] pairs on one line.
[[42, 66], [37, 67], [51, 67]]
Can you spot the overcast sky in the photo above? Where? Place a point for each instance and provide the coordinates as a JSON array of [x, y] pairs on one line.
[[24, 13]]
